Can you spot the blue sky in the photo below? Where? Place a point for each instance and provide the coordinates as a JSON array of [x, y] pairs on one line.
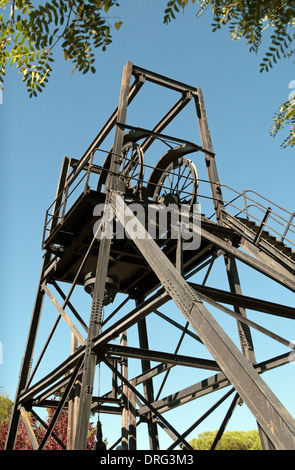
[[65, 118]]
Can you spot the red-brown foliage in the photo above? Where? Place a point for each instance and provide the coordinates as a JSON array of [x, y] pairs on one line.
[[60, 429]]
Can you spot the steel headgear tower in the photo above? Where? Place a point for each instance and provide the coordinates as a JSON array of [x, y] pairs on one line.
[[99, 244]]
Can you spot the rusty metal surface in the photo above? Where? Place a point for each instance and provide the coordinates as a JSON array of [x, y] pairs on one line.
[[151, 272]]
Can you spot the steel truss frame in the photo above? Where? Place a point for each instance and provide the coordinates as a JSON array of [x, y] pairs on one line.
[[232, 366]]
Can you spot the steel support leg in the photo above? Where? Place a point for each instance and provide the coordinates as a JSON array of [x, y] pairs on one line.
[[124, 418], [100, 277], [148, 385], [28, 356], [274, 419], [244, 330], [27, 361]]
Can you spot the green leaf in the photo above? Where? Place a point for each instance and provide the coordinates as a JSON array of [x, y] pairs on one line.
[[118, 24]]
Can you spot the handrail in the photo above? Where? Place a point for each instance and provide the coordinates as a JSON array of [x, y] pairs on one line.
[[268, 200], [64, 194], [262, 197], [62, 205], [282, 218]]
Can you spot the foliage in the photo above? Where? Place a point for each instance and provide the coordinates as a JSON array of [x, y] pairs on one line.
[[286, 115], [5, 407], [29, 33], [231, 440], [23, 441], [249, 19]]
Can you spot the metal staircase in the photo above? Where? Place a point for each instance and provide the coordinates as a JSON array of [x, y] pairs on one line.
[[266, 228], [267, 239]]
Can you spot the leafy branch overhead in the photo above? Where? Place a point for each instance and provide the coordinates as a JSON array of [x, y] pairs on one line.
[[251, 20], [30, 33]]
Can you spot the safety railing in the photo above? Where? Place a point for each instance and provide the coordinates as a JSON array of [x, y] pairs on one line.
[[77, 183], [248, 204], [266, 214]]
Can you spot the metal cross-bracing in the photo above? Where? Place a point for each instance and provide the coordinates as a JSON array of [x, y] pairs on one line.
[[144, 248]]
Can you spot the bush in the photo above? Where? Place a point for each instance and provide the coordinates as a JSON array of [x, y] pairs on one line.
[[231, 440]]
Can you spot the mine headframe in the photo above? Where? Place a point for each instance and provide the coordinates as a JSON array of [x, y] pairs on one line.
[[112, 242]]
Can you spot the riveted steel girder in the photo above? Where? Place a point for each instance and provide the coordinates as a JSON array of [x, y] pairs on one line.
[[273, 418]]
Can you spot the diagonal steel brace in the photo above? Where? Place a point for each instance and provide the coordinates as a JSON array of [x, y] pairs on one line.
[[274, 419]]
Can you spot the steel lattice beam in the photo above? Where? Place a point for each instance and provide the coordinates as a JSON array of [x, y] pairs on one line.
[[148, 261], [264, 405]]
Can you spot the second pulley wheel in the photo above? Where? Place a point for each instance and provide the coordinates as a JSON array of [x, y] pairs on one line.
[[174, 179]]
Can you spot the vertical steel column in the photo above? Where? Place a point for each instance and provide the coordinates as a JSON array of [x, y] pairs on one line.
[[148, 384], [230, 262], [231, 267], [132, 416], [210, 159], [90, 358], [244, 333], [73, 404], [124, 417], [100, 275], [244, 330]]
